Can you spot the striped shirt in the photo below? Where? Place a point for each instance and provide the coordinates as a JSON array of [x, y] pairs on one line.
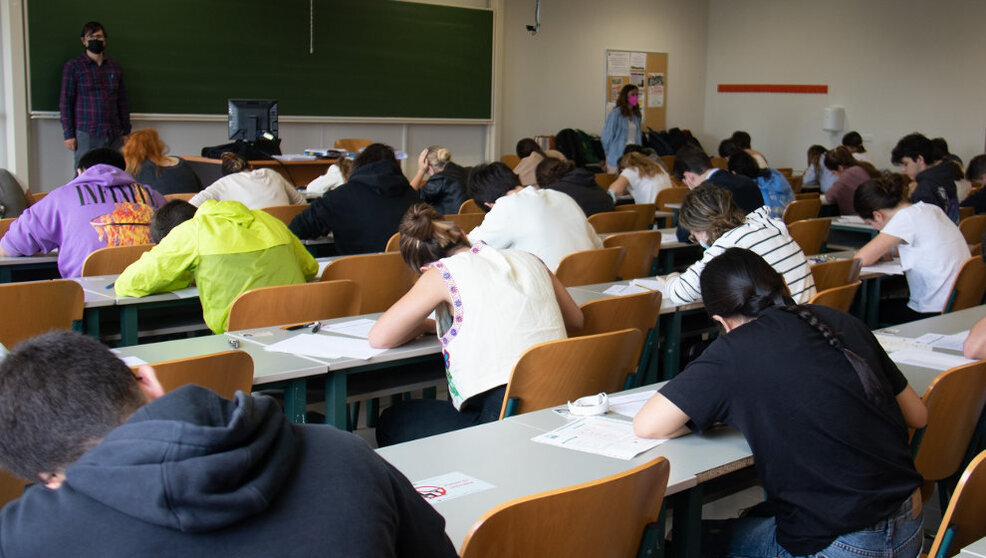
[[93, 98], [763, 235]]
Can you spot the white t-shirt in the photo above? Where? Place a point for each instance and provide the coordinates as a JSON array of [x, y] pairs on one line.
[[644, 189], [931, 254], [255, 189], [546, 223]]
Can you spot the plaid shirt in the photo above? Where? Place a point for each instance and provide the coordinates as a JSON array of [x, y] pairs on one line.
[[93, 98]]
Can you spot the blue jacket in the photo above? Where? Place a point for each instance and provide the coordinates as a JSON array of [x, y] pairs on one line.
[[776, 192], [614, 136]]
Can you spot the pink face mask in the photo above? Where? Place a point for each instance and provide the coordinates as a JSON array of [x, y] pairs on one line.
[[632, 100]]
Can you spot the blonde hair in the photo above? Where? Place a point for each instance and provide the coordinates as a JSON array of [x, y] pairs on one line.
[[438, 157], [640, 162], [144, 145], [710, 209], [426, 237]]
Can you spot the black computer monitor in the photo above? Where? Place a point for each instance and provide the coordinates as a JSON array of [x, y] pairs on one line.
[[252, 119]]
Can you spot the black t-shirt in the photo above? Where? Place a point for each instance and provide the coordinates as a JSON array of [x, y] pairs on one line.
[[830, 461]]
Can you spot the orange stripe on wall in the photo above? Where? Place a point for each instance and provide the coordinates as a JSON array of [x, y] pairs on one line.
[[771, 88]]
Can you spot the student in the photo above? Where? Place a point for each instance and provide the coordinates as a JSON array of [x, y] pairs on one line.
[[915, 154], [742, 140], [642, 177], [718, 224], [225, 248], [693, 167], [815, 173], [547, 223], [439, 181], [128, 470], [931, 247], [824, 409], [102, 207], [853, 142], [622, 125], [336, 175], [491, 305], [255, 189], [580, 184], [774, 188], [363, 213], [531, 155], [976, 172], [147, 162], [850, 172]]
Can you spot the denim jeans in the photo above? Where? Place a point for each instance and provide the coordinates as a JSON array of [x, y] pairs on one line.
[[899, 536], [86, 142]]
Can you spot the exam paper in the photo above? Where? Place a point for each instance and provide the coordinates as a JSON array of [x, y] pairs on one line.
[[941, 341], [650, 284], [667, 237], [928, 359], [187, 292], [624, 290], [449, 486], [891, 343], [886, 268], [355, 328], [325, 346], [850, 220], [599, 435], [629, 405]]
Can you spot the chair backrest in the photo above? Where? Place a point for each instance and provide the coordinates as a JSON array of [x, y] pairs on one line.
[[966, 212], [954, 400], [807, 196], [393, 243], [34, 307], [786, 171], [605, 517], [796, 184], [112, 259], [554, 372], [35, 197], [802, 209], [469, 206], [224, 373], [604, 179], [466, 221], [11, 487], [718, 162], [590, 266], [972, 228], [839, 298], [287, 304], [382, 278], [613, 221], [976, 250], [510, 160], [5, 225], [286, 212], [634, 311], [969, 287], [670, 195], [644, 212], [963, 522], [352, 145], [668, 161], [182, 197], [810, 234], [835, 273], [641, 248]]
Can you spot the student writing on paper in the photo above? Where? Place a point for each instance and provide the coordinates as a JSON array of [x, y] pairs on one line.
[[931, 247], [491, 305], [824, 409], [642, 177]]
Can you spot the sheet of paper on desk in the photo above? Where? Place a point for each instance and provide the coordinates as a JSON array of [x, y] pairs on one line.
[[928, 359], [891, 343], [629, 405], [886, 268], [850, 220], [325, 346], [668, 237], [624, 290], [355, 328], [650, 284], [187, 292], [599, 435], [941, 341], [449, 486]]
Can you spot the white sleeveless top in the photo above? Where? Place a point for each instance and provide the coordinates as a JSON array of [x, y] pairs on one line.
[[503, 302]]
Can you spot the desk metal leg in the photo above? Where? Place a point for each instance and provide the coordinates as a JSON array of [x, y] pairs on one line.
[[672, 345], [667, 261], [5, 274], [335, 400], [652, 543], [686, 527], [873, 303], [128, 325], [91, 317], [295, 400]]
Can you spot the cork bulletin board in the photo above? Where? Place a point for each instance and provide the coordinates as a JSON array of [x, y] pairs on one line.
[[649, 72]]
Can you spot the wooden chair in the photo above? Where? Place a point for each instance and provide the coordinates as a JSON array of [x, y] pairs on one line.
[[976, 250], [605, 517], [352, 145], [11, 487], [635, 311], [182, 197], [963, 522], [641, 248], [810, 234], [668, 161], [393, 243], [969, 287], [955, 400], [5, 225], [590, 266], [644, 213], [554, 372], [469, 206], [112, 259], [466, 221], [224, 373], [719, 162], [786, 171], [287, 304], [35, 307], [35, 197], [382, 278], [802, 209], [510, 160], [286, 212], [612, 221], [839, 298], [836, 273], [808, 196], [796, 184], [966, 212], [604, 179], [670, 195], [972, 228]]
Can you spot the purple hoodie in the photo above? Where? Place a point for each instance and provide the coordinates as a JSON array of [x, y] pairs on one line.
[[103, 206]]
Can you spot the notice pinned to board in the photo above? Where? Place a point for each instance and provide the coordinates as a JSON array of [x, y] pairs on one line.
[[618, 64], [615, 85], [638, 61], [655, 90]]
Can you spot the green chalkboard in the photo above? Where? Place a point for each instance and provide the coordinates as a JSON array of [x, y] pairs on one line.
[[372, 58]]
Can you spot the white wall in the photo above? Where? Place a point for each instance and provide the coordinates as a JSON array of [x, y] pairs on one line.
[[555, 79], [895, 65]]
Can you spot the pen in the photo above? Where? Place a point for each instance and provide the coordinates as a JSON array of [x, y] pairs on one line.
[[314, 325], [110, 286]]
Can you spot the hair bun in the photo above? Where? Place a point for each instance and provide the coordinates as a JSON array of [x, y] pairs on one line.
[[418, 222]]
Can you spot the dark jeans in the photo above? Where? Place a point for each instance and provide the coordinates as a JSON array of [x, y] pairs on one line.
[[86, 143], [419, 418]]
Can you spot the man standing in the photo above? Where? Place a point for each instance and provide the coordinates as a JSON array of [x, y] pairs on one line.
[[93, 101]]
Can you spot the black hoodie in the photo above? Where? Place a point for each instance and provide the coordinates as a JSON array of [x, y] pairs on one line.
[[363, 213], [192, 474]]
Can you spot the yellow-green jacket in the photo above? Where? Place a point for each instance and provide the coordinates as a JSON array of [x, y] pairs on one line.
[[226, 249]]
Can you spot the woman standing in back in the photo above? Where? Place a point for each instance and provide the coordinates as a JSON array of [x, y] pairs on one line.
[[147, 161], [622, 126]]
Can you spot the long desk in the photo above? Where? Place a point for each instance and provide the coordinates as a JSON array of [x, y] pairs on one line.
[[12, 264], [299, 173]]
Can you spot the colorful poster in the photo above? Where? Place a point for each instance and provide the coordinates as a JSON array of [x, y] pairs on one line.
[[637, 78], [615, 84], [655, 90]]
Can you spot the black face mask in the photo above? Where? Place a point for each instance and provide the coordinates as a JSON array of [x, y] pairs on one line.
[[95, 46]]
